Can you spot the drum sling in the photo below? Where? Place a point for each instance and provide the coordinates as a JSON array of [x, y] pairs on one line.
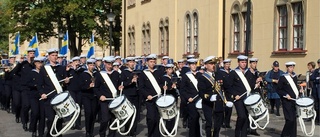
[[244, 81], [53, 78], [193, 80], [153, 81], [110, 85], [292, 85]]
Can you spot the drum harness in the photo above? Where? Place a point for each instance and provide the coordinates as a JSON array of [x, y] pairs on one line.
[[301, 121]]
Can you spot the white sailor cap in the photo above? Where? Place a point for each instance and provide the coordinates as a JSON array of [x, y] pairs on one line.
[[91, 61], [169, 66], [116, 64], [210, 60], [12, 56], [130, 59], [65, 55], [190, 56], [117, 57], [92, 57], [52, 50], [75, 58], [31, 49], [108, 59], [38, 59], [5, 54], [152, 56], [253, 60], [180, 61], [83, 56], [242, 58], [98, 59], [290, 63], [138, 57], [192, 61], [202, 67], [60, 56], [70, 61], [165, 57], [227, 61]]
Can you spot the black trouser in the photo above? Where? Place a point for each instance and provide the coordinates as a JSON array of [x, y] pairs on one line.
[[16, 97], [207, 111], [7, 96], [25, 107], [50, 115], [90, 105], [76, 95], [218, 119], [184, 109], [35, 113], [275, 102], [317, 109], [227, 115], [289, 112], [242, 119], [106, 119], [152, 118], [134, 101], [42, 118], [193, 120]]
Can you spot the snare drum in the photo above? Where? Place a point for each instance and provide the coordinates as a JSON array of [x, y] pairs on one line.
[[255, 105], [305, 107], [63, 104], [121, 107], [199, 108], [167, 107]]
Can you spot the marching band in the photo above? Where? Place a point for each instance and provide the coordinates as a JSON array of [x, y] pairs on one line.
[[113, 91]]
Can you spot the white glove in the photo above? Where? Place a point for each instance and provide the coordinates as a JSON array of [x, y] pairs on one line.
[[213, 98], [318, 78], [229, 104]]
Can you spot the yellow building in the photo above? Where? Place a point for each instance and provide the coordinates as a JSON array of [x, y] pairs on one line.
[[282, 30]]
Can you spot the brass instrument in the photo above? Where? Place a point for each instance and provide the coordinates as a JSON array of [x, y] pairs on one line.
[[217, 87]]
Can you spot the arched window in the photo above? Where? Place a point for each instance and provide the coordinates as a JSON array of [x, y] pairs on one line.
[[166, 28], [235, 12], [195, 32], [129, 41], [133, 41], [188, 48], [161, 37], [148, 34], [244, 15], [282, 27], [144, 39]]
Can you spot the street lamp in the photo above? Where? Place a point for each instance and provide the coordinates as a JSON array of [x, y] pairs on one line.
[[110, 19]]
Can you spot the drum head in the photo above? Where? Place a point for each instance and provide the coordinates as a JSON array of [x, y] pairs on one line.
[[117, 101], [165, 101], [252, 99], [59, 98], [199, 103], [305, 102]]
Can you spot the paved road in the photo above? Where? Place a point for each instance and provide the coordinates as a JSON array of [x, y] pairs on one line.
[[9, 128]]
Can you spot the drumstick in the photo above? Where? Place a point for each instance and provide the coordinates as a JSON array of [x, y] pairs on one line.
[[152, 97], [290, 99], [240, 96], [48, 94], [194, 98], [109, 99], [121, 89], [65, 79], [165, 84]]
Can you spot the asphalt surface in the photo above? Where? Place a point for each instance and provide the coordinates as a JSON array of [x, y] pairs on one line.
[[9, 128]]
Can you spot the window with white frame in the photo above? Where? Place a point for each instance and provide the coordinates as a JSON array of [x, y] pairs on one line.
[[282, 27], [236, 32], [129, 41], [166, 28], [148, 34], [188, 48], [161, 35], [133, 41], [298, 24], [195, 33]]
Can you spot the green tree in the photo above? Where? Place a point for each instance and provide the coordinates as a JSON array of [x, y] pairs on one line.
[[79, 17]]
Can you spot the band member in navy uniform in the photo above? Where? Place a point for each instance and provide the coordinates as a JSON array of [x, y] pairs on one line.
[[213, 98], [99, 65], [47, 87], [315, 78], [272, 78], [171, 89], [149, 88], [89, 100], [238, 91], [130, 90], [186, 68], [189, 92], [73, 87], [102, 91], [83, 59], [287, 94], [32, 86], [163, 64], [223, 76]]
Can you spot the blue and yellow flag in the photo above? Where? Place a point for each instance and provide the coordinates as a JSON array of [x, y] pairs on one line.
[[34, 44], [91, 48], [65, 44], [15, 48]]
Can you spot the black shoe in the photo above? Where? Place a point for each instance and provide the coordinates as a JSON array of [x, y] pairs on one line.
[[88, 135], [40, 136], [8, 110], [17, 120], [25, 127], [185, 124], [77, 127], [277, 114], [34, 134], [254, 133], [272, 111]]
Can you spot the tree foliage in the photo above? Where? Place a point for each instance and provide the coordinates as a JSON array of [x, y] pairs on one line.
[[48, 17]]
